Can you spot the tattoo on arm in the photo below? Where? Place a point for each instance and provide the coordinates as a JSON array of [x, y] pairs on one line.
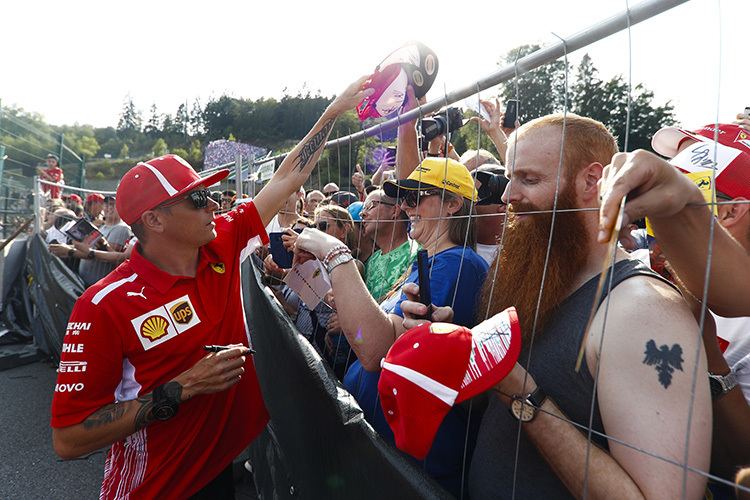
[[311, 147], [145, 414], [114, 411], [665, 359]]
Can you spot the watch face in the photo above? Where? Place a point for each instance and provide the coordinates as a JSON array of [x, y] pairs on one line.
[[716, 387], [163, 411], [522, 411]]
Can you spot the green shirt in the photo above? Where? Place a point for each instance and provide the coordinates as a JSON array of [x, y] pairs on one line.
[[383, 271]]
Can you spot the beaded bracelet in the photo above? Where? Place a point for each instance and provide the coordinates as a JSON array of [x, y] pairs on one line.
[[337, 250]]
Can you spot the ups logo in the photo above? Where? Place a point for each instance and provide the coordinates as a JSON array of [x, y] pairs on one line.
[[182, 313]]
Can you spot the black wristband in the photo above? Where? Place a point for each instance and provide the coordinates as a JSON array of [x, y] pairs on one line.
[[434, 155], [71, 252], [91, 255]]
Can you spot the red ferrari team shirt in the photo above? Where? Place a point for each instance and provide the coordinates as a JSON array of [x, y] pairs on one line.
[[56, 174], [139, 328]]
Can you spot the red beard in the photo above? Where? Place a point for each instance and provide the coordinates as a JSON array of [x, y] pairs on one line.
[[521, 264]]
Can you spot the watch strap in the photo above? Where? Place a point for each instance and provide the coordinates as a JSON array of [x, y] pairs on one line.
[[164, 401], [537, 397], [338, 260], [727, 383]]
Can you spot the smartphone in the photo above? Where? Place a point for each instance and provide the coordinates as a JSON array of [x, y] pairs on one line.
[[281, 256], [391, 153], [511, 114], [425, 293]]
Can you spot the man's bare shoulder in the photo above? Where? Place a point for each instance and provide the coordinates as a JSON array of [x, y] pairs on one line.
[[646, 298], [640, 310]]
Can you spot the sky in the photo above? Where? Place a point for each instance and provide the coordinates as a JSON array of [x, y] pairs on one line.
[[75, 62]]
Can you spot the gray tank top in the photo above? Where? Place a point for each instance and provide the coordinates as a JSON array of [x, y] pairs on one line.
[[552, 365]]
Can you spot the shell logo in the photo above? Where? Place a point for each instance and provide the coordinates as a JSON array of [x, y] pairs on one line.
[[154, 327]]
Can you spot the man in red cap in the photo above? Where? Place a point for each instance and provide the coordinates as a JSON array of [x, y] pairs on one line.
[[134, 373], [93, 207]]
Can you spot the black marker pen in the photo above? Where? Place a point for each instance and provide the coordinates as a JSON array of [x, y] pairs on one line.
[[217, 348]]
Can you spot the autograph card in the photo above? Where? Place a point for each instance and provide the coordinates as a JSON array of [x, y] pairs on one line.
[[309, 281]]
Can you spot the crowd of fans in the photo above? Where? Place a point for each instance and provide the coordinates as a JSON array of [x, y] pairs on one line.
[[454, 207]]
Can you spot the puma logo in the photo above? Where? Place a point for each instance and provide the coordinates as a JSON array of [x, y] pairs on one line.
[[137, 294]]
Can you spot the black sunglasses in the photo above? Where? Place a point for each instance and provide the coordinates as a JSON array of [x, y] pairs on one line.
[[322, 225], [412, 198], [199, 199]]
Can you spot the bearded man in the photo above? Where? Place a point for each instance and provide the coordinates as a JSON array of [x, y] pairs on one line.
[[628, 423]]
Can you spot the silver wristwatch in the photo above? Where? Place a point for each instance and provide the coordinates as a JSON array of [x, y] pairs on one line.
[[338, 260], [721, 384]]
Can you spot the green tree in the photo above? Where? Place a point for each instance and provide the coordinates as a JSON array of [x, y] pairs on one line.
[[196, 119], [153, 127], [130, 120], [181, 153], [88, 146], [607, 102], [125, 151], [160, 148], [181, 121], [540, 92]]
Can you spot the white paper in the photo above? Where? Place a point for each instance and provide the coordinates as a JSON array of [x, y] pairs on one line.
[[309, 281]]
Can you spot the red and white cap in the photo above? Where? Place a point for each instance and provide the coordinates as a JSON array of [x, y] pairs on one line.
[[731, 152], [149, 184], [435, 365]]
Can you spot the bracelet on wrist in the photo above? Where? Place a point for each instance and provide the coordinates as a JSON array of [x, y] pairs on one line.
[[336, 254], [91, 255], [333, 252], [71, 251]]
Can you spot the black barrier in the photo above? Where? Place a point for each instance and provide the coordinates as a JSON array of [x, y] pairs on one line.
[[318, 444], [53, 289], [16, 308]]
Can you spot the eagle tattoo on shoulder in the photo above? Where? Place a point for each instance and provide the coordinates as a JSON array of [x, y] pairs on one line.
[[665, 359]]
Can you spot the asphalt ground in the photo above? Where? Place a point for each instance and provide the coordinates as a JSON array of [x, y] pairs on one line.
[[29, 467]]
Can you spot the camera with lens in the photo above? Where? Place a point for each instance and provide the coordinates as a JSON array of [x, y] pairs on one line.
[[447, 120], [491, 183]]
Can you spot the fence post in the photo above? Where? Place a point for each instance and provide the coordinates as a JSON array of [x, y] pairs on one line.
[[2, 163], [7, 189], [82, 178], [250, 173], [60, 149], [238, 174]]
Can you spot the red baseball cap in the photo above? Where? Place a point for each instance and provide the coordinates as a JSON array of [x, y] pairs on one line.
[[666, 141], [95, 197], [435, 365], [73, 197], [732, 154], [149, 184]]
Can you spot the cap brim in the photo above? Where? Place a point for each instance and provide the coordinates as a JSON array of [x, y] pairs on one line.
[[206, 181], [666, 141], [496, 344], [394, 188]]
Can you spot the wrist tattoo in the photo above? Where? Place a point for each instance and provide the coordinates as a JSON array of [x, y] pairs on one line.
[[665, 359], [311, 147]]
